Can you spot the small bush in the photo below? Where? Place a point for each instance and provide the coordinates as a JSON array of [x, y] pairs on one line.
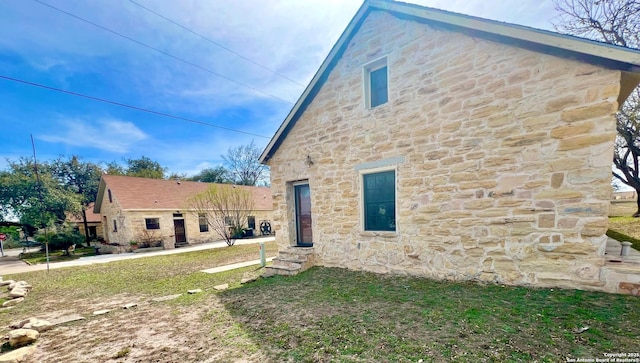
[[62, 239], [122, 353]]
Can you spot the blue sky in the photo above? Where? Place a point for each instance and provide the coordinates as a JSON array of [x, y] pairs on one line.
[[291, 37]]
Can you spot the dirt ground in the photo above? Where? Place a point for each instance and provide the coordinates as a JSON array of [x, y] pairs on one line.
[[150, 332], [180, 330]]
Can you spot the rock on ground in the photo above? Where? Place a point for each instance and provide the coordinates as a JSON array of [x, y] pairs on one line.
[[20, 337], [18, 355], [12, 302]]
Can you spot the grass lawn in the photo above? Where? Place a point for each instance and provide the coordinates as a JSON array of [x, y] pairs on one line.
[[57, 256], [625, 229], [321, 315]]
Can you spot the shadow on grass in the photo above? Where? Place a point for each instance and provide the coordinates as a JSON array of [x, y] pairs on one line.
[[330, 314]]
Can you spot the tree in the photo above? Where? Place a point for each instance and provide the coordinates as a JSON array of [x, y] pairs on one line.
[[212, 175], [225, 208], [143, 167], [81, 178], [37, 200], [615, 22], [244, 166]]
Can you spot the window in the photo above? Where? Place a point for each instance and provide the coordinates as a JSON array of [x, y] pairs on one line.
[[152, 223], [110, 198], [376, 83], [204, 224], [379, 192], [115, 226], [177, 215], [228, 221], [251, 222]]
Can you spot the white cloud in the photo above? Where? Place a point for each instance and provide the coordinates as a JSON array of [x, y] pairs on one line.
[[105, 134]]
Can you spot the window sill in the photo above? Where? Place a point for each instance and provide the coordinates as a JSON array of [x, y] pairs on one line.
[[383, 234]]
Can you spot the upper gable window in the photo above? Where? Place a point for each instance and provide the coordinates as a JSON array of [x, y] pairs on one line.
[[376, 83], [110, 198]]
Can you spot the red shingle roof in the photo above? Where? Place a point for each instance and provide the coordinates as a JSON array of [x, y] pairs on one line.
[[145, 193], [91, 216]]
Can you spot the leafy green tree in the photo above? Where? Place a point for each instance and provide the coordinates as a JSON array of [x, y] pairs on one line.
[[113, 168], [81, 178], [244, 166], [212, 175], [35, 199], [143, 167], [615, 22]]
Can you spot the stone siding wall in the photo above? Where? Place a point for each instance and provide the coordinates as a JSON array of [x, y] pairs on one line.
[[112, 211], [132, 225], [505, 159]]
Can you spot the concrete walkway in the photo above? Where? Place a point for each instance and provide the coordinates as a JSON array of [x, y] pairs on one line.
[[11, 264], [233, 266]]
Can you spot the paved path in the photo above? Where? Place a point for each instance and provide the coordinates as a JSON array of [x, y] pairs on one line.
[[234, 266], [11, 264]]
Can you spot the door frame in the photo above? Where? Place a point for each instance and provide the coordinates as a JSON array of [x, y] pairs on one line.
[[296, 187], [184, 227]]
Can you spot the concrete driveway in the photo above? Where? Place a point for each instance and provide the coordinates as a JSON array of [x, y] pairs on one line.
[[11, 264]]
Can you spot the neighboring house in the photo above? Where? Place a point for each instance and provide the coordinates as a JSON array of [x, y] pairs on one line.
[[94, 223], [135, 209], [449, 146]]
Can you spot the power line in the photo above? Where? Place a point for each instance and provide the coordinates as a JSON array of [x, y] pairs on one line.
[[128, 106], [164, 53], [216, 43]]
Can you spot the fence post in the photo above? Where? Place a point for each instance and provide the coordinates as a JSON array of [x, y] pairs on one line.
[[263, 257]]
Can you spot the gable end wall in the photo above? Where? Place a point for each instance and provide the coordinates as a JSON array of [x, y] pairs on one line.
[[506, 159]]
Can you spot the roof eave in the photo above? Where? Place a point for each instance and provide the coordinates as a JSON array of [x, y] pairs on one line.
[[98, 203]]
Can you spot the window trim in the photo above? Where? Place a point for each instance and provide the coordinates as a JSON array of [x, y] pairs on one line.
[[146, 223], [361, 175], [367, 69]]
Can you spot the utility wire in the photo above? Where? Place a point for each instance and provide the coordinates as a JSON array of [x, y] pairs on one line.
[[163, 52], [128, 106], [216, 43]]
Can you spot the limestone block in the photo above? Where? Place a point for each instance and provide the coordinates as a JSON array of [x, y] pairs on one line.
[[559, 194], [17, 355], [588, 112], [572, 130], [629, 288], [22, 337], [524, 139], [579, 142], [561, 103], [556, 180], [12, 302], [547, 220]]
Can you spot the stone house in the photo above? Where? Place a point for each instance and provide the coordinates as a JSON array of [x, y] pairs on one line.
[[454, 147], [94, 223], [139, 209]]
